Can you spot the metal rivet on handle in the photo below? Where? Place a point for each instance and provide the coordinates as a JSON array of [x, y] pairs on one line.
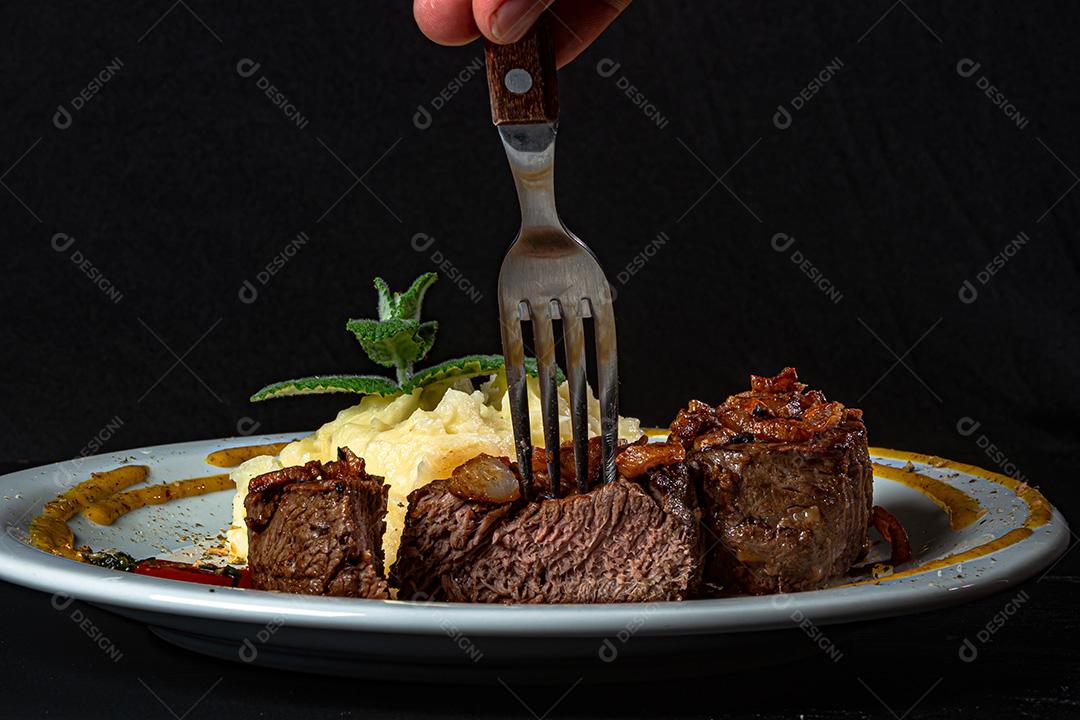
[[518, 81]]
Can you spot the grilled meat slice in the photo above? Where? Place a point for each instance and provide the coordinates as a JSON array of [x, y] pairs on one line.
[[317, 529]]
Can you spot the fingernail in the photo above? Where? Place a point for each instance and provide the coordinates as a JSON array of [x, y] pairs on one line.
[[514, 18]]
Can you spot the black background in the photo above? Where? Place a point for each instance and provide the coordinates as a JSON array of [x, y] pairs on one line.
[[899, 180]]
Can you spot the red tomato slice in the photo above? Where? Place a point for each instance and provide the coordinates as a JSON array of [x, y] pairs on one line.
[[184, 572]]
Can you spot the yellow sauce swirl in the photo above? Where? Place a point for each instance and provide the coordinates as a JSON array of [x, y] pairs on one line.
[[107, 511], [1039, 511], [231, 457], [962, 509], [50, 532]]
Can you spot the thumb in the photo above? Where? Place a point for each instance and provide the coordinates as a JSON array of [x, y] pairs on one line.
[[506, 21]]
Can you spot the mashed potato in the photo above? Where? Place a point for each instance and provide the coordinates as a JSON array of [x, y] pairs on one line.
[[411, 440]]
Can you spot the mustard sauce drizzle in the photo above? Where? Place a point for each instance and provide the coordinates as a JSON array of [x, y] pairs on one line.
[[1039, 509], [50, 532], [107, 511], [231, 457]]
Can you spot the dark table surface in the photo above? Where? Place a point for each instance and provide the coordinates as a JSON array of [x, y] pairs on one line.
[[1025, 663]]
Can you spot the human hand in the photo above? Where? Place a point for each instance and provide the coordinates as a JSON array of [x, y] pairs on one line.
[[457, 22]]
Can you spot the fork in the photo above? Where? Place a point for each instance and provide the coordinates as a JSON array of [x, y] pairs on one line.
[[548, 274]]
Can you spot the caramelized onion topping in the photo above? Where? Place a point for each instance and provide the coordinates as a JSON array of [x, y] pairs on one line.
[[636, 460], [567, 468], [775, 409], [485, 479], [893, 532], [786, 381], [698, 418]]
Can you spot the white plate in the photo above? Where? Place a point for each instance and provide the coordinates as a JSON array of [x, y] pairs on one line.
[[455, 642]]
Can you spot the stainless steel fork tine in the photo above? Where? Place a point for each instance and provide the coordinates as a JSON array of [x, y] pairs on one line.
[[574, 336], [608, 372], [511, 318], [544, 336]]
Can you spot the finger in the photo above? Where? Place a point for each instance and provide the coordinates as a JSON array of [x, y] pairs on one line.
[[577, 23], [447, 22], [505, 21]]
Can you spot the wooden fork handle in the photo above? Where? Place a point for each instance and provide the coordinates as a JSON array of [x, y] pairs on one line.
[[521, 78]]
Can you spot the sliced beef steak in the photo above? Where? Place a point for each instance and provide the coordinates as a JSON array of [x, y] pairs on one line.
[[634, 540], [786, 516], [317, 529], [443, 532], [786, 486]]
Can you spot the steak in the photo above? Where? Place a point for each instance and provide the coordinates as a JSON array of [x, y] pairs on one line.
[[317, 529], [786, 485], [633, 540], [443, 533]]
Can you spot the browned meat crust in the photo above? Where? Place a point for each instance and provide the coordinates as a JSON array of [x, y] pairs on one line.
[[317, 529]]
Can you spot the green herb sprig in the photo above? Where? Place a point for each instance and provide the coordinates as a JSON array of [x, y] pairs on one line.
[[397, 339]]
